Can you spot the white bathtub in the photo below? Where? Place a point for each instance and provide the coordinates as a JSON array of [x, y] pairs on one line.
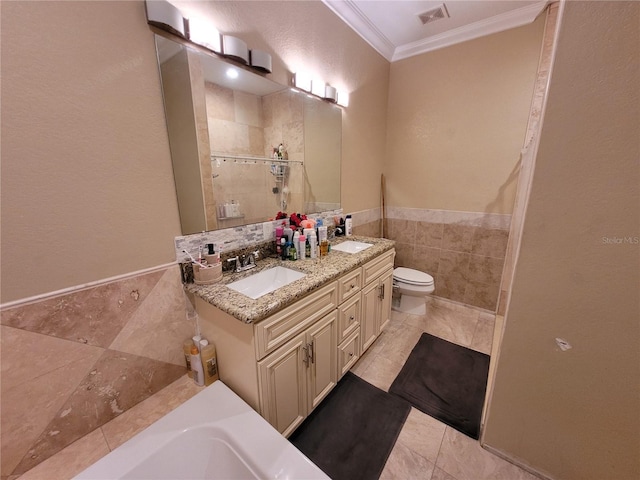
[[214, 435]]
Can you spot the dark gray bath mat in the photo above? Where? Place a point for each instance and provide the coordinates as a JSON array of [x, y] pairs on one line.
[[352, 432], [445, 381]]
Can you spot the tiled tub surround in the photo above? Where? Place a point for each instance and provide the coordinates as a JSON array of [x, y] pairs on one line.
[[73, 365], [463, 251], [319, 271]]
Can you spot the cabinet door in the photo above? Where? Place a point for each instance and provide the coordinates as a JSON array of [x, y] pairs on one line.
[[386, 283], [368, 320], [283, 378], [322, 340]]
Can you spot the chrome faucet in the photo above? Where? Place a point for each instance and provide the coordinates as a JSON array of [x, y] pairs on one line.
[[245, 262]]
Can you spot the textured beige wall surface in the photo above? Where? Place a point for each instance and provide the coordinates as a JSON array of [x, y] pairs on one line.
[[457, 121], [575, 414], [87, 185]]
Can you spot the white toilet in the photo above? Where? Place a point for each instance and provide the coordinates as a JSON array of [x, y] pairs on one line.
[[413, 287]]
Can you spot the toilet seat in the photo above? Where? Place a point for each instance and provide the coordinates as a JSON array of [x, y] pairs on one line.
[[412, 277]]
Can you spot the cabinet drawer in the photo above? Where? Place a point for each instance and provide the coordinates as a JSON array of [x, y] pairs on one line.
[[348, 353], [349, 284], [275, 330], [348, 317], [375, 267]]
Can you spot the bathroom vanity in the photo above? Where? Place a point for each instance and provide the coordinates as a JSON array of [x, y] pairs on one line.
[[285, 351]]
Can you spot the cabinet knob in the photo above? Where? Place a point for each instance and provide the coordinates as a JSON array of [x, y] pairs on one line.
[[352, 318], [351, 354], [353, 285]]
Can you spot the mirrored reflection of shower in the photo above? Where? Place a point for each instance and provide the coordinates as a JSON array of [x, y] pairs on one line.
[[281, 173]]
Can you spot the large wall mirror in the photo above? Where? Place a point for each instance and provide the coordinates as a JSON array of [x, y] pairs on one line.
[[224, 123]]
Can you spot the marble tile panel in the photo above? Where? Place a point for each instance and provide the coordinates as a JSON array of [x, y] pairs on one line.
[[490, 242], [403, 231], [453, 263], [457, 238], [451, 286], [220, 102], [426, 259], [482, 295], [485, 269], [139, 417], [404, 463], [429, 234], [72, 460], [157, 328], [439, 474], [399, 343], [93, 316], [404, 254], [363, 363], [454, 323], [483, 336], [371, 229], [45, 355], [247, 108], [30, 405], [381, 372], [422, 434], [464, 458], [366, 216], [117, 382]]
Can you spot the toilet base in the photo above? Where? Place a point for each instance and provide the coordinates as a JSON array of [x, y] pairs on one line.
[[410, 304]]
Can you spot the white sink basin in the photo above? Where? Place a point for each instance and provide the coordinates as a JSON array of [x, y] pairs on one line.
[[351, 246], [265, 281]]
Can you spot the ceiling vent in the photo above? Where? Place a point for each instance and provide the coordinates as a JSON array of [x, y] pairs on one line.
[[434, 14]]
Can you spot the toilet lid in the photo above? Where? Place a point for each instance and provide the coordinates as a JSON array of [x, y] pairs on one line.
[[413, 277]]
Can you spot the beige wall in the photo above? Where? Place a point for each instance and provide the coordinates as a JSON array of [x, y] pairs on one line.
[[457, 121], [575, 414], [87, 185]]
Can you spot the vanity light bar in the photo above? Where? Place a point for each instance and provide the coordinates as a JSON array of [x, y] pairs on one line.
[[199, 31], [205, 34], [303, 81], [165, 16]]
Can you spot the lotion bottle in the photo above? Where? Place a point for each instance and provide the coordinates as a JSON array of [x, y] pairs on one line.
[[209, 362], [196, 366], [186, 347], [348, 226]]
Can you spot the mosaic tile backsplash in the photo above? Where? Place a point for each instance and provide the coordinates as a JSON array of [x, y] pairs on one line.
[[238, 238]]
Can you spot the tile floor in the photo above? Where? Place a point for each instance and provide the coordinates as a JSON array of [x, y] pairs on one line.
[[426, 448]]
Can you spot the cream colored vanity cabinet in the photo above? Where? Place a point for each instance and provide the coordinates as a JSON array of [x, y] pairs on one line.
[[376, 297], [349, 314], [285, 365], [296, 376]]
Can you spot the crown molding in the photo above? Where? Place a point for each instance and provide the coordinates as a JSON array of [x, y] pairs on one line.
[[349, 13], [499, 23]]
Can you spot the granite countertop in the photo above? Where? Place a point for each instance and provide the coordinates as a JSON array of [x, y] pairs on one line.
[[319, 271]]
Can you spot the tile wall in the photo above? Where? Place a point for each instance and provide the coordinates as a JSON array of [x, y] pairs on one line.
[[73, 363], [463, 251]]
